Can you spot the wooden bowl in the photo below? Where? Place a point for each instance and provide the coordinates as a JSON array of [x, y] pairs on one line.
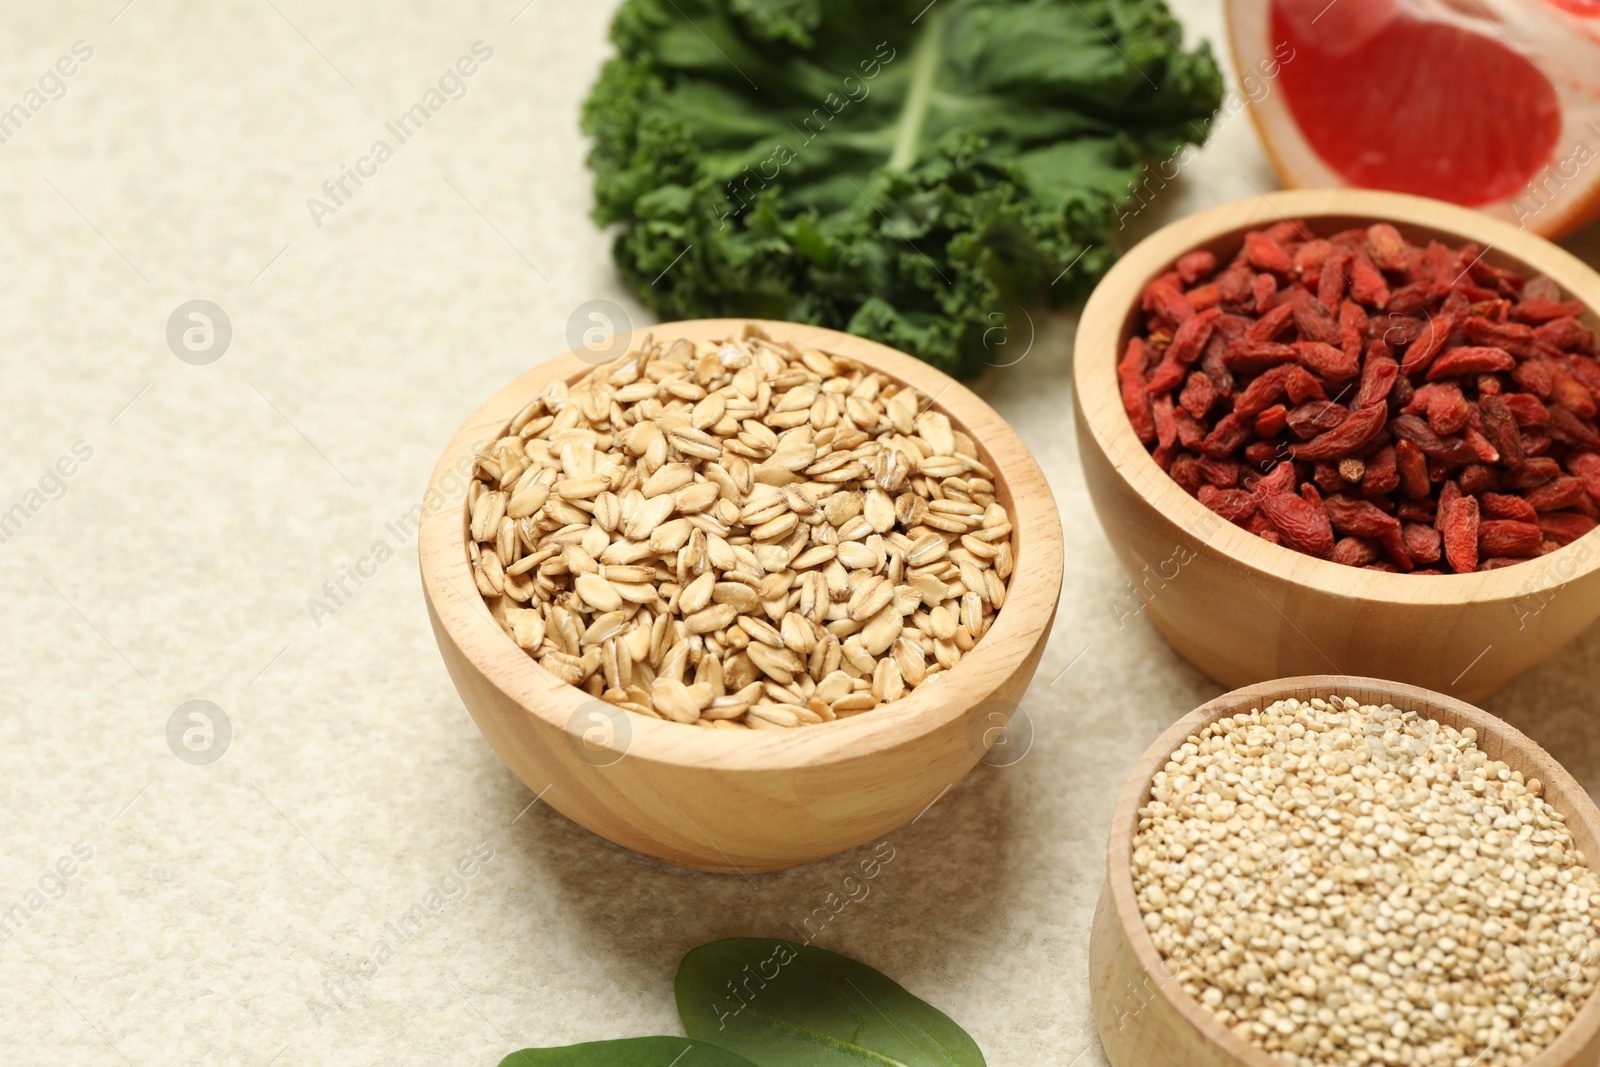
[[1146, 1018], [743, 801], [1242, 609]]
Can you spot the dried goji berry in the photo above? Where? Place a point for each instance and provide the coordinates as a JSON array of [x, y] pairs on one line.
[[1327, 477], [1565, 334], [1386, 247], [1378, 376], [1366, 282], [1166, 422], [1448, 411], [1185, 470], [1195, 266], [1265, 391], [1313, 320], [1191, 431], [1265, 290], [1508, 537], [1557, 495], [1467, 359], [1534, 376], [1356, 552], [1303, 387], [1350, 436], [1233, 431], [1526, 408], [1425, 348], [1222, 473], [1539, 311], [1331, 284], [1326, 360], [1253, 357], [1382, 474], [1358, 518], [1167, 374], [1199, 393], [1537, 471], [1477, 478], [1449, 493], [1394, 546], [1567, 428], [1586, 466], [1422, 542], [1412, 467], [1135, 400], [1565, 527], [1163, 297], [1280, 479], [1505, 506], [1235, 505], [1261, 455], [1423, 511], [1460, 532], [1266, 254], [1511, 337], [1304, 525], [1270, 423], [1412, 297]]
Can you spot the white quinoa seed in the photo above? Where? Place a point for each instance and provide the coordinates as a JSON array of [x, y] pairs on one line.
[[1348, 884]]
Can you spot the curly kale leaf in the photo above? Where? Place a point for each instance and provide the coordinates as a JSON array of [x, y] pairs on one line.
[[904, 170]]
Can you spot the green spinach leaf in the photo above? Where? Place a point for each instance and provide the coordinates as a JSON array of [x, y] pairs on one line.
[[779, 1003]]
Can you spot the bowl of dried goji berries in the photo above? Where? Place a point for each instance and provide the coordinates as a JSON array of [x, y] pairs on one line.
[[1352, 432]]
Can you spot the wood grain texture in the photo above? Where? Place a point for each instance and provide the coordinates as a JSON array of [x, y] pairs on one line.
[[1244, 610], [1146, 1019], [762, 800]]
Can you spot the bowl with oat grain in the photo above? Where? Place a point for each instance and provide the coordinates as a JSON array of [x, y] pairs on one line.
[[744, 596]]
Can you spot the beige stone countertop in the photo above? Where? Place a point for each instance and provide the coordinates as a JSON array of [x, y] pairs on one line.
[[217, 914]]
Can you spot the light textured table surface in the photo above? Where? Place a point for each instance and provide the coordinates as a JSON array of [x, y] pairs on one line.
[[218, 913]]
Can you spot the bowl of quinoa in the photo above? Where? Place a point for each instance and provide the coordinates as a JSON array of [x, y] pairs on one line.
[[1333, 870]]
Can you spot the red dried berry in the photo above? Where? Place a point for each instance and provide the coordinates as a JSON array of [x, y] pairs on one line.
[[1366, 282], [1304, 525], [1507, 537], [1350, 436], [1382, 475], [1271, 422], [1425, 348], [1412, 466], [1423, 543], [1235, 505], [1356, 552], [1505, 506], [1199, 393], [1264, 253], [1470, 360], [1460, 532], [1557, 495], [1565, 527], [1195, 266]]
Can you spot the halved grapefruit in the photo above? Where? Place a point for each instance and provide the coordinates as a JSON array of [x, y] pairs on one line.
[[1490, 103]]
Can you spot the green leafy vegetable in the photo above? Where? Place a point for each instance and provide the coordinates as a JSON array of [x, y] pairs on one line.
[[901, 169], [779, 1003], [630, 1052]]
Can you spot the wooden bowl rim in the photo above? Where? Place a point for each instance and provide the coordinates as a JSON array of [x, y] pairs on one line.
[[1098, 395], [448, 581], [1119, 871]]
